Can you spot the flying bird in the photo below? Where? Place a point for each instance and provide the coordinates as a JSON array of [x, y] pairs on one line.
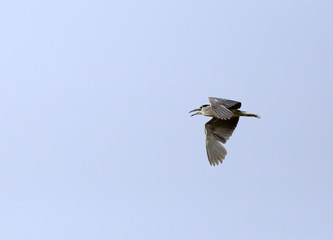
[[225, 114]]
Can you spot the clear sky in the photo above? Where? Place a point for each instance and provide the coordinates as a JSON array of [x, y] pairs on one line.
[[97, 143]]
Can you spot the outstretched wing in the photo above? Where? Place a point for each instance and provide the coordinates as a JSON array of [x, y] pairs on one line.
[[230, 104], [218, 130], [220, 107]]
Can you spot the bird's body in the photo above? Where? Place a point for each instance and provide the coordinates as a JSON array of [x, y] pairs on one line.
[[225, 116], [222, 109]]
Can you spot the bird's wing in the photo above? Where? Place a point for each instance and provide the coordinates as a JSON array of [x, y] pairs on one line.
[[219, 110], [218, 130], [226, 102]]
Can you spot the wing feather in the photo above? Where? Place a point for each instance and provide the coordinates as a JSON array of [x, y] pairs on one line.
[[230, 104], [219, 110], [217, 131]]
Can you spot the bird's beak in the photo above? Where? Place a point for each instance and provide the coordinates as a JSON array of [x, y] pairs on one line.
[[196, 112]]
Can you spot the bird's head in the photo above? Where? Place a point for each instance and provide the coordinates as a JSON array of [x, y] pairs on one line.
[[200, 110]]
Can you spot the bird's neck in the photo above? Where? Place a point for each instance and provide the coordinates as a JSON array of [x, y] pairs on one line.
[[208, 112]]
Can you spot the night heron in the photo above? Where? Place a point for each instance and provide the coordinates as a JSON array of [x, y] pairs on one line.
[[225, 115]]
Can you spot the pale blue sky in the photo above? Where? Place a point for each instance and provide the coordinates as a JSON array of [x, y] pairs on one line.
[[96, 139]]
